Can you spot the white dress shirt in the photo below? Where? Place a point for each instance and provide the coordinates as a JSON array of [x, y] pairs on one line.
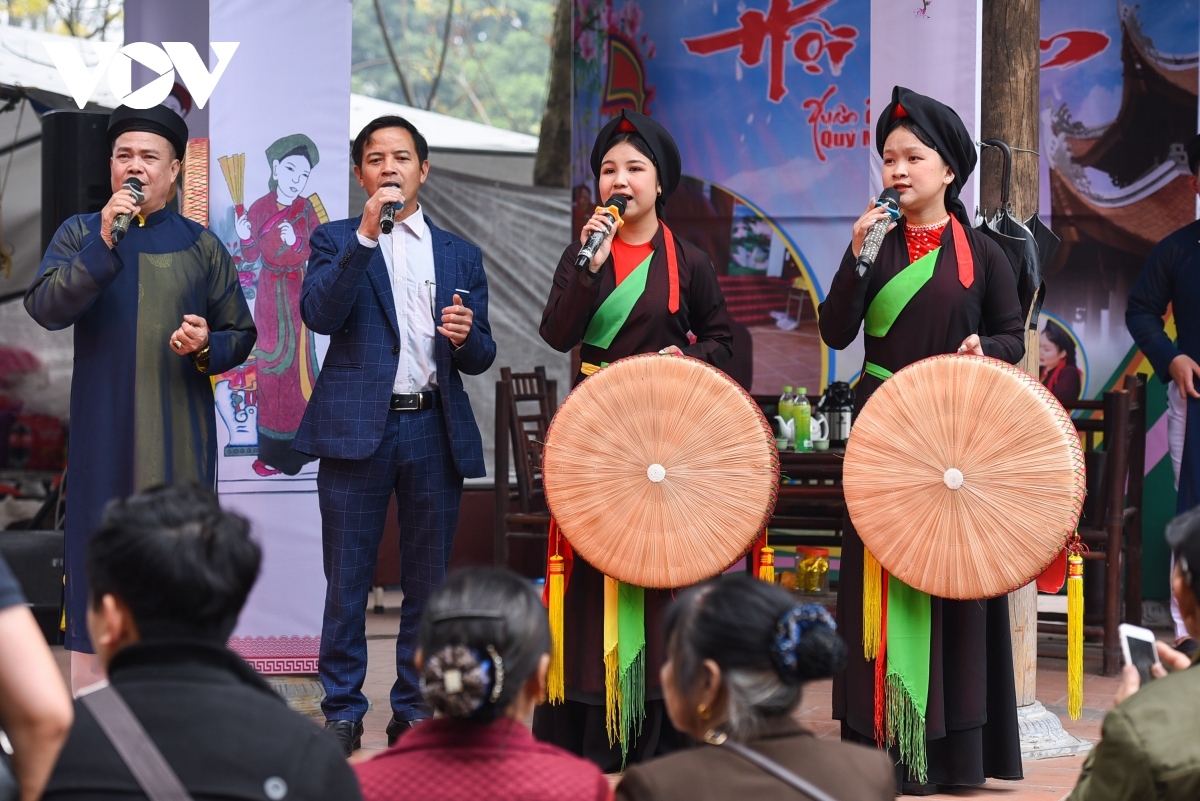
[[408, 254]]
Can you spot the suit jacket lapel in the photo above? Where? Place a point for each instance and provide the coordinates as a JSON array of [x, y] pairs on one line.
[[445, 274], [377, 272]]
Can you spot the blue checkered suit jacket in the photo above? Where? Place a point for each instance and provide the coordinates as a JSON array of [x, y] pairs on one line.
[[347, 294]]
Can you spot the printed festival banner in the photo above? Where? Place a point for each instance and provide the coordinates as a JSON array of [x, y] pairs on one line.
[[769, 103], [1118, 104], [278, 161]]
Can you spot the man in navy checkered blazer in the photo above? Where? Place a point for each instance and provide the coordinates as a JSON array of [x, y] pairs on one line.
[[405, 309]]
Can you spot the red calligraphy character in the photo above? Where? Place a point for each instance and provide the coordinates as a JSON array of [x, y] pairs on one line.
[[755, 28]]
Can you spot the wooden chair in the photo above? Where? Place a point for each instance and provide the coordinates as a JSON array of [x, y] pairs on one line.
[[1134, 490], [525, 403], [1109, 526]]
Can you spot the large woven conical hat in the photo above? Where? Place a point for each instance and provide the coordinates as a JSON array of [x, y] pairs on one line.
[[964, 476], [660, 470]]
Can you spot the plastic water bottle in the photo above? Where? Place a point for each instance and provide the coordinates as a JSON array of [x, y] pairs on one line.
[[802, 414], [787, 405]]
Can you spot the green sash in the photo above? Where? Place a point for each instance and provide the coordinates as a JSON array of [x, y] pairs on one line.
[[909, 622], [896, 294], [909, 619], [614, 311]]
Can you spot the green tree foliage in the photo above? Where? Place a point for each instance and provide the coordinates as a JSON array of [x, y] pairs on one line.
[[497, 57]]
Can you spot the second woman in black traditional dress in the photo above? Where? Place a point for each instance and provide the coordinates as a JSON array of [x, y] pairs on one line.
[[670, 302], [936, 287]]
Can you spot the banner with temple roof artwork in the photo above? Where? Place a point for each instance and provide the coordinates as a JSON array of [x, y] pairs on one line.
[[1118, 104]]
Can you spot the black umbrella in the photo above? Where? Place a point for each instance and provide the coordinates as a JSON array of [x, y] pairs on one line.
[[1029, 245]]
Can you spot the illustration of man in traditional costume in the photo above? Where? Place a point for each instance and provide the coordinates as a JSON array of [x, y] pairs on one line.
[[275, 231]]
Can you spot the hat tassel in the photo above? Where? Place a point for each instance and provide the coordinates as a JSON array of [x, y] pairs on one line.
[[1075, 632]]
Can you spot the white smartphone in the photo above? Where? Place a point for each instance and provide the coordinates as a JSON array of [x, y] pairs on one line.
[[1137, 646]]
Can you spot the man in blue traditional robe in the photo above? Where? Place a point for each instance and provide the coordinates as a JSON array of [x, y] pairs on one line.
[[155, 315]]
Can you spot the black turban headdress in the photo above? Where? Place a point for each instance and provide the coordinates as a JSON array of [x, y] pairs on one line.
[[664, 152], [156, 120], [945, 128]]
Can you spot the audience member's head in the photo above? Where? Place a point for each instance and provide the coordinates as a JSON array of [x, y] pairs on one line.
[[168, 563], [1183, 535], [738, 653], [484, 646]]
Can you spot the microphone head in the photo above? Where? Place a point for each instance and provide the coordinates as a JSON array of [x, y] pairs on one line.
[[618, 202], [889, 197], [134, 185], [392, 184]]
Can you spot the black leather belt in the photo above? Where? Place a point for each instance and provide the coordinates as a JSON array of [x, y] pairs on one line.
[[414, 401]]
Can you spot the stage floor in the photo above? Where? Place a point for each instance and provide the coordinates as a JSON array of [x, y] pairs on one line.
[[1045, 780]]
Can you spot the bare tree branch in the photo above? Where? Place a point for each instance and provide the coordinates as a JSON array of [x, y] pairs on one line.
[[437, 76], [370, 62], [387, 41], [483, 115]]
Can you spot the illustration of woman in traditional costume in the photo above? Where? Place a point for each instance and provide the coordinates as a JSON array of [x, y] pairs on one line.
[[275, 230]]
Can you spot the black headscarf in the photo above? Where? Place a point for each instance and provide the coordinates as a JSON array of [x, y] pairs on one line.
[[945, 128], [156, 120], [664, 152]]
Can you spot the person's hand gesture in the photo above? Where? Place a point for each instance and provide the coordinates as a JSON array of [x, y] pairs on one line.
[[971, 346], [1184, 372], [242, 225], [863, 224], [191, 335], [1131, 680], [599, 222], [369, 227], [456, 322], [287, 233], [121, 202]]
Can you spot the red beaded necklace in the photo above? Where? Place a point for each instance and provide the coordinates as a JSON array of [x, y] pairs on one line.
[[923, 239]]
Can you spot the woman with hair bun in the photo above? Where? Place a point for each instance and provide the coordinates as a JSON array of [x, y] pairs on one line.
[[739, 652], [483, 654]]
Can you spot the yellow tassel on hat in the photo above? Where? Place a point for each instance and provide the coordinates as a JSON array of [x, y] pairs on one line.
[[766, 564], [555, 683], [1074, 635], [872, 605]]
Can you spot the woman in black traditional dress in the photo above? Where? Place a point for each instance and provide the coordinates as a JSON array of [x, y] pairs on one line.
[[669, 302], [936, 287]]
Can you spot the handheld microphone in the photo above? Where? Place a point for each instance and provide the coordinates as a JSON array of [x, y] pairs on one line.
[[614, 207], [387, 215], [120, 226], [890, 200]]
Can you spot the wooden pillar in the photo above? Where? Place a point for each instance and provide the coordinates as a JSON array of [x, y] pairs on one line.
[[1011, 87], [1011, 30]]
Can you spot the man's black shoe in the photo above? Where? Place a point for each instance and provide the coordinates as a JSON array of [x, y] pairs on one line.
[[348, 732], [396, 728]]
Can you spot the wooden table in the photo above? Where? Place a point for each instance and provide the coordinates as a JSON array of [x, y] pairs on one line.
[[810, 490]]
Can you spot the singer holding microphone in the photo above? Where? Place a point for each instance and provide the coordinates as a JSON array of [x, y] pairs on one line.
[[949, 290], [405, 306], [623, 290], [157, 310]]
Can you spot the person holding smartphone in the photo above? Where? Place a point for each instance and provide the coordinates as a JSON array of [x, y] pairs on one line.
[[1171, 279], [1148, 746]]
